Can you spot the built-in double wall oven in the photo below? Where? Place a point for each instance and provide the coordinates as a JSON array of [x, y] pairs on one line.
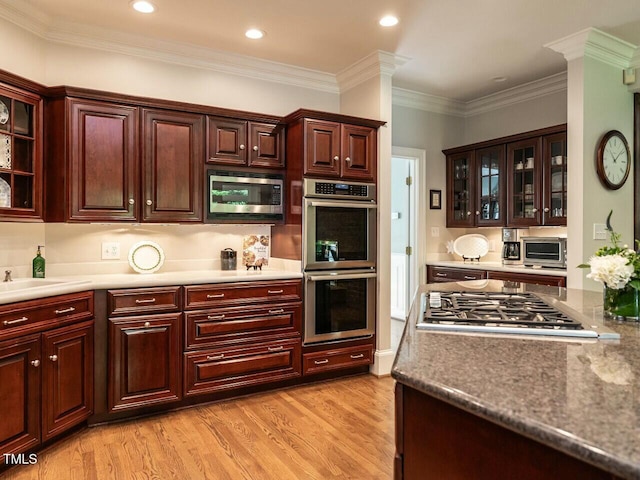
[[339, 258]]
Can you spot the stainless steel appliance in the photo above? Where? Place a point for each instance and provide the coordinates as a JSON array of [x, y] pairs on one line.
[[548, 252], [339, 225], [339, 259], [339, 304], [510, 247], [506, 313], [244, 196]]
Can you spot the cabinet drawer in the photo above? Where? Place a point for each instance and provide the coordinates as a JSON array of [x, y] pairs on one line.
[[444, 274], [550, 280], [43, 314], [137, 301], [232, 325], [230, 294], [228, 368], [335, 359]]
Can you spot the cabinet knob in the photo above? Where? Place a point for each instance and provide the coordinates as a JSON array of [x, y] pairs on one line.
[[149, 202], [147, 324], [131, 201], [242, 147], [546, 209], [468, 213], [35, 363], [53, 358], [534, 210], [255, 148], [477, 212], [348, 159], [336, 158]]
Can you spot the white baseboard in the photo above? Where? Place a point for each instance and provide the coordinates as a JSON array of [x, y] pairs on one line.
[[382, 363]]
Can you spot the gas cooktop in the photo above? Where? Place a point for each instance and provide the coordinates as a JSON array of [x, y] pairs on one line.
[[510, 313]]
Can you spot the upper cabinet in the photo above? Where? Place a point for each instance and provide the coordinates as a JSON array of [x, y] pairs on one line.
[[243, 143], [113, 162], [20, 154], [475, 196], [516, 181], [332, 146]]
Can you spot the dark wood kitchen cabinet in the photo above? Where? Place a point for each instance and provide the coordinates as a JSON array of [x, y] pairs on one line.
[[115, 162], [436, 274], [172, 166], [332, 146], [144, 364], [245, 144], [46, 366], [21, 137]]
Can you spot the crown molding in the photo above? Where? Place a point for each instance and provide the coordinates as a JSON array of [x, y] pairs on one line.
[[375, 64], [596, 44], [429, 103], [188, 55]]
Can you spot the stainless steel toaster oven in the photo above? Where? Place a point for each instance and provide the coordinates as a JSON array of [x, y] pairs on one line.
[[548, 252]]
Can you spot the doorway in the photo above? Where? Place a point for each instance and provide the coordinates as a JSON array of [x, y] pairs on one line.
[[405, 252]]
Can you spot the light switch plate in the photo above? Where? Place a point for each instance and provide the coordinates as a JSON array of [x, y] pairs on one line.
[[110, 250], [600, 231]]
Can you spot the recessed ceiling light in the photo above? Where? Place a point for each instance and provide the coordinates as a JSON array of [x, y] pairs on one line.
[[499, 79], [143, 6], [388, 21], [254, 34]]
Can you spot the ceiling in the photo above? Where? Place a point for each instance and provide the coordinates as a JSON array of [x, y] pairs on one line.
[[454, 48]]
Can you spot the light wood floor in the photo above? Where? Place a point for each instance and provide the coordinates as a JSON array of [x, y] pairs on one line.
[[333, 430]]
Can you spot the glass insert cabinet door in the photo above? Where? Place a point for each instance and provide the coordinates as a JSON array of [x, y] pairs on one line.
[[19, 165], [555, 179], [490, 175], [460, 200], [524, 195]]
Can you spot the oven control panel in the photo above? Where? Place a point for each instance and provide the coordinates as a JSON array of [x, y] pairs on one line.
[[354, 191]]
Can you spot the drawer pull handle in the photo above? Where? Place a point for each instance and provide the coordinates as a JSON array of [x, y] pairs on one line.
[[274, 312], [217, 295], [35, 363], [215, 357], [53, 358], [355, 357], [13, 322], [441, 274], [469, 277], [321, 362], [215, 317], [65, 310], [147, 324], [149, 300], [275, 349], [274, 292]]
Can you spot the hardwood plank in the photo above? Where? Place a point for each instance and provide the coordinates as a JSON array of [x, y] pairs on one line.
[[337, 429]]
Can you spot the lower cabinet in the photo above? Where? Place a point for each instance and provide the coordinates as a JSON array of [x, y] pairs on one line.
[[337, 358], [46, 385], [144, 360], [437, 274], [229, 368], [449, 274], [550, 280]]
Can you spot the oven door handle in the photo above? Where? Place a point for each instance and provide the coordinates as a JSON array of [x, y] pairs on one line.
[[340, 276], [324, 203]]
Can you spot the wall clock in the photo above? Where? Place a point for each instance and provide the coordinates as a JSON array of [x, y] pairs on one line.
[[613, 160]]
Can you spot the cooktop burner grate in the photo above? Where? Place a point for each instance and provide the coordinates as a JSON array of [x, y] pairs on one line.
[[521, 310]]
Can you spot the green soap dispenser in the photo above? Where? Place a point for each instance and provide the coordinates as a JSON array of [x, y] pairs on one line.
[[38, 264]]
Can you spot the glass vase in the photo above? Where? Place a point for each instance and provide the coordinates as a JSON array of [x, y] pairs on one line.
[[622, 303]]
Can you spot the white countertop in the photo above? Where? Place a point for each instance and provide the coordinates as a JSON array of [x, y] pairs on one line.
[[78, 283], [499, 267]]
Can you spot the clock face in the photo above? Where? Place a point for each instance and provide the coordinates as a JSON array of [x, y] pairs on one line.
[[614, 160]]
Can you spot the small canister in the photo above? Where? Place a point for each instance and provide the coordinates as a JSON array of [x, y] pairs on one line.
[[228, 259]]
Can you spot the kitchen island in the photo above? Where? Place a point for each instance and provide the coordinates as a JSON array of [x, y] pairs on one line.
[[512, 406]]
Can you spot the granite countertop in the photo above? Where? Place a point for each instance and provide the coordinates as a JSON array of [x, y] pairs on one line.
[[581, 397], [499, 267], [51, 286]]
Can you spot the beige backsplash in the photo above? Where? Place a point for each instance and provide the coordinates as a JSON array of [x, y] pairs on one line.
[[75, 249]]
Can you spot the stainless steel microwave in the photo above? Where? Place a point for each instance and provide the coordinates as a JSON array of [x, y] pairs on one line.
[[548, 252], [244, 196]]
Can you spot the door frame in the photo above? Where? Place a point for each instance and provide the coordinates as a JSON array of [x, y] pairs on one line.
[[417, 199]]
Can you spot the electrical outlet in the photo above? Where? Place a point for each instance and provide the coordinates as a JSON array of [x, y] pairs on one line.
[[599, 231], [110, 250], [435, 231], [492, 245]]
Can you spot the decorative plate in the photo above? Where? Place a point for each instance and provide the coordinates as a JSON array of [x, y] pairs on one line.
[[5, 151], [5, 194], [473, 245], [146, 257], [4, 113]]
